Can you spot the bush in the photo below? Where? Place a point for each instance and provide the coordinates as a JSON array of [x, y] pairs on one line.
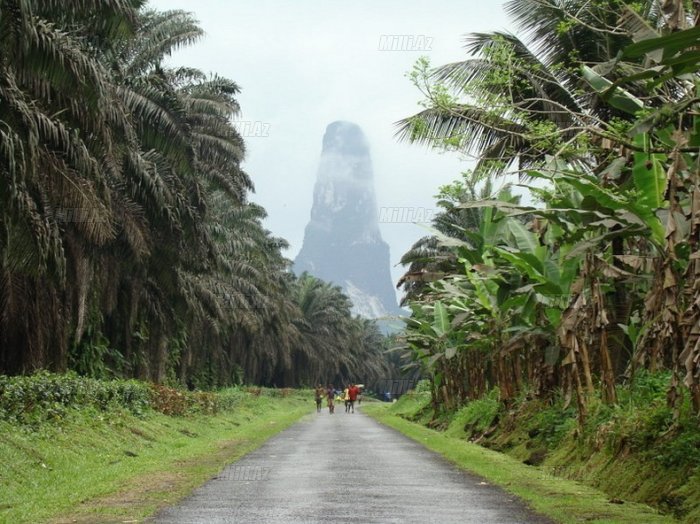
[[169, 401], [230, 398], [175, 402], [423, 386], [254, 391], [551, 422], [643, 423], [680, 451], [476, 416], [46, 396]]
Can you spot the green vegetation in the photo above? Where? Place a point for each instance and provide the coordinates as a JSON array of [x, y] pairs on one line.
[[474, 417], [562, 500], [598, 280], [34, 399], [128, 244], [89, 461], [566, 331], [632, 451]]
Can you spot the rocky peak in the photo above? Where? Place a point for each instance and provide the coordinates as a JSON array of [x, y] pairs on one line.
[[342, 242]]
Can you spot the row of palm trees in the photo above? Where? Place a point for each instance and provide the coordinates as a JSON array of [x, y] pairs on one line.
[[597, 279], [128, 245]]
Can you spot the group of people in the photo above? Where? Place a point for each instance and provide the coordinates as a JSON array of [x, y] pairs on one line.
[[351, 394]]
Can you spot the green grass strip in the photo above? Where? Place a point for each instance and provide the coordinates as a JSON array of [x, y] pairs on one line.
[[115, 467], [560, 499]]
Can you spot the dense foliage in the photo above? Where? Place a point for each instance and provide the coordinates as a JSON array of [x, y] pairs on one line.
[[31, 400], [633, 450], [128, 246], [598, 278]]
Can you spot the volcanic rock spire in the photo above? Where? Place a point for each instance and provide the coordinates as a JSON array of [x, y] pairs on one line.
[[342, 242]]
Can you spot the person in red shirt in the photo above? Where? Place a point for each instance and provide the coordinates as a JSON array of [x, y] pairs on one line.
[[353, 391]]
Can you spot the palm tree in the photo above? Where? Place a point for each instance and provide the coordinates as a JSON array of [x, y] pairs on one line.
[[336, 347], [518, 101], [433, 257], [128, 245], [55, 203]]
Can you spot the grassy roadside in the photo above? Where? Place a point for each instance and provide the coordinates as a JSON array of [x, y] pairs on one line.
[[97, 466], [562, 500]]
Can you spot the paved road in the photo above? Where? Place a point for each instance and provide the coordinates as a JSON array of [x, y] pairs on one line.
[[345, 468]]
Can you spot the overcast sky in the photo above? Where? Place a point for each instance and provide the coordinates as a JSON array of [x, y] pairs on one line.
[[303, 64]]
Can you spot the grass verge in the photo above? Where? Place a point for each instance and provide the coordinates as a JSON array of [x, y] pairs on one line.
[[560, 499], [96, 466]]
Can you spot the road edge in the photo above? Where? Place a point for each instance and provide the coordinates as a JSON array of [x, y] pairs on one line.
[[144, 502], [559, 499]]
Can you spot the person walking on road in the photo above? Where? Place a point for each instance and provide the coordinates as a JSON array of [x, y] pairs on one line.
[[330, 394], [346, 398], [320, 392], [352, 393]]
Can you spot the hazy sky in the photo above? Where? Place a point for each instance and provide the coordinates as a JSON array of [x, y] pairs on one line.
[[303, 64]]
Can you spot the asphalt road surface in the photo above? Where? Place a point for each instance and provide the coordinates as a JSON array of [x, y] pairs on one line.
[[345, 468]]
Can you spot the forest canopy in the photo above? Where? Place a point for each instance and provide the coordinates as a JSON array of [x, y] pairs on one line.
[[128, 244]]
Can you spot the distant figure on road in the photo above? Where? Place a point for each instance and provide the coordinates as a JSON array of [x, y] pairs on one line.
[[330, 394], [353, 391], [346, 398], [320, 392]]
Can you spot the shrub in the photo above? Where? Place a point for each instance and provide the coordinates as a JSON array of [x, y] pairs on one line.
[[33, 399], [551, 422], [254, 391], [230, 398], [476, 416], [169, 401], [423, 386], [681, 450], [46, 396]]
